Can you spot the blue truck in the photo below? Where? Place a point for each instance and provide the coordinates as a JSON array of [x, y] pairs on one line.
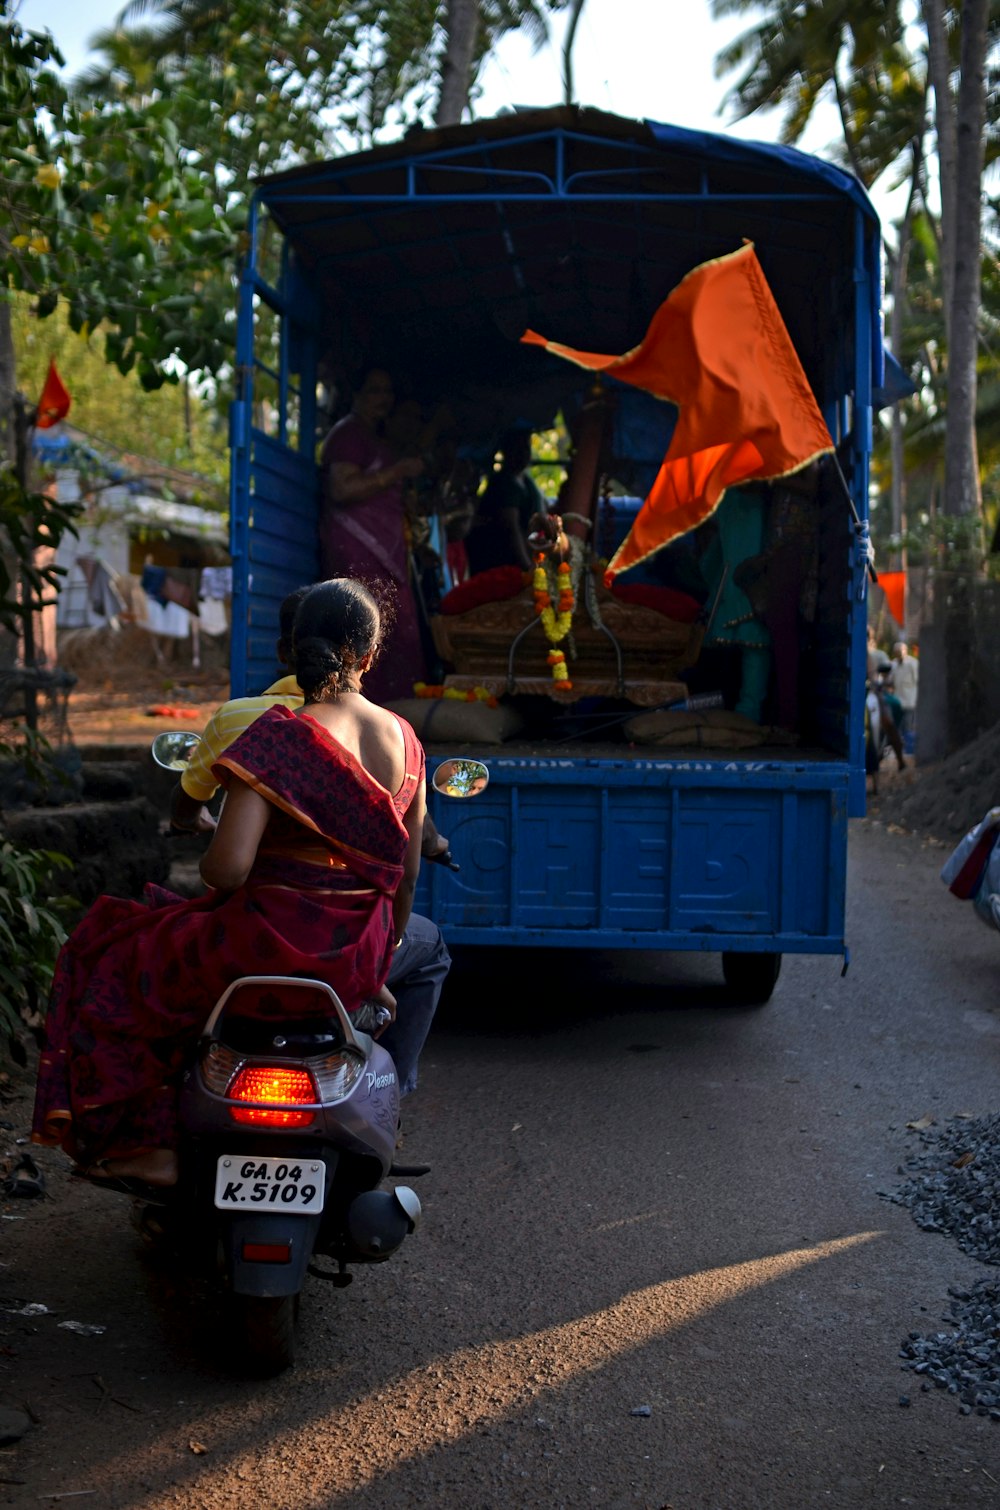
[[441, 249]]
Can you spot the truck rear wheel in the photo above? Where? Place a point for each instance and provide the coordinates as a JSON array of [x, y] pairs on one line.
[[264, 1330], [751, 977]]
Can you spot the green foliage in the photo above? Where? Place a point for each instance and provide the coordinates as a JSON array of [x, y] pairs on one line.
[[31, 909], [855, 52], [31, 934], [177, 425], [289, 83], [28, 521], [125, 199], [949, 542], [104, 209]]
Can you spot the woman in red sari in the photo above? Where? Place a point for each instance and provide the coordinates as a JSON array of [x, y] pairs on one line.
[[312, 869]]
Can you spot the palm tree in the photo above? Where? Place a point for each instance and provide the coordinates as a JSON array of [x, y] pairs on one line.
[[799, 51], [472, 29], [856, 51], [575, 11]]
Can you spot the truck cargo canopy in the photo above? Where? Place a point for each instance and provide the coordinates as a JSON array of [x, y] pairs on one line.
[[433, 254]]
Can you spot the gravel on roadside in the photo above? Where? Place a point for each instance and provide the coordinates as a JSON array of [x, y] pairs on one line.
[[953, 1187]]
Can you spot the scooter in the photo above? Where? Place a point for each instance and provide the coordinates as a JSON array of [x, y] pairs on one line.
[[288, 1115]]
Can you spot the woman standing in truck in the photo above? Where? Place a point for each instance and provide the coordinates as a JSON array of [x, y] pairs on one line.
[[362, 527]]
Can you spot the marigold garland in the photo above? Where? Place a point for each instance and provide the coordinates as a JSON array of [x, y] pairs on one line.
[[456, 694], [557, 620]]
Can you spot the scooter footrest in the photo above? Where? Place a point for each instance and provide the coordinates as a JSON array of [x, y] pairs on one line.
[[339, 1277]]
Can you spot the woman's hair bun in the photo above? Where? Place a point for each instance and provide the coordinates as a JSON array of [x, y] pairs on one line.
[[318, 663], [337, 625]]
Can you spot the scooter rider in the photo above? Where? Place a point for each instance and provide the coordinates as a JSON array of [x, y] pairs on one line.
[[421, 960]]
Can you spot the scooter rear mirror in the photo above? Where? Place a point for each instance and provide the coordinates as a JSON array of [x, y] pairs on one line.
[[460, 778], [173, 748]]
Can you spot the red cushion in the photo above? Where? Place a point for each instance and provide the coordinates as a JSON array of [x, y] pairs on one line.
[[666, 600], [485, 587]]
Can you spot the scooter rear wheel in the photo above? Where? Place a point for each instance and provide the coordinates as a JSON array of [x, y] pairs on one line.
[[264, 1329]]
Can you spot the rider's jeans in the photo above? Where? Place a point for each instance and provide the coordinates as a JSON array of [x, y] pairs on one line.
[[417, 973]]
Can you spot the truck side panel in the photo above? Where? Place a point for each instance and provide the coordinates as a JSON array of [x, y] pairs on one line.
[[278, 548]]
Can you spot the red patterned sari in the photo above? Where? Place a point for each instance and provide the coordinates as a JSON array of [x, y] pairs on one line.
[[136, 980]]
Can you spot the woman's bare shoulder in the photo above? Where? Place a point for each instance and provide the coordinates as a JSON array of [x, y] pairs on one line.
[[380, 719], [381, 743]]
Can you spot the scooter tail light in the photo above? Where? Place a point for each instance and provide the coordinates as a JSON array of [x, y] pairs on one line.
[[258, 1116], [277, 1091]]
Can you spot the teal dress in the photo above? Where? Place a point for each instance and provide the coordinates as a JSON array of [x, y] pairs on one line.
[[740, 522]]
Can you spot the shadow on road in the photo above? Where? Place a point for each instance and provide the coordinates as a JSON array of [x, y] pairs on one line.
[[546, 990]]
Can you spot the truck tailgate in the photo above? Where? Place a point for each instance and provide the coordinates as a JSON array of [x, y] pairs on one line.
[[646, 853]]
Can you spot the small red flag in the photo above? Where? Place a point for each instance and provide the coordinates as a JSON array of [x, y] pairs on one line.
[[718, 348], [54, 402], [893, 584]]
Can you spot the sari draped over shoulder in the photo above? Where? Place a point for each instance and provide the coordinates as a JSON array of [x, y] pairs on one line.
[[136, 980], [368, 540]]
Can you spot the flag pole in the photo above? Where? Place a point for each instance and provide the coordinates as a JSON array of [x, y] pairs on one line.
[[859, 524]]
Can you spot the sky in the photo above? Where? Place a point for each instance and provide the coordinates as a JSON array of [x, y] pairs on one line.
[[625, 61]]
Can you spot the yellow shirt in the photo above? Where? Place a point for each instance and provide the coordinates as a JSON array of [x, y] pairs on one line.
[[225, 725]]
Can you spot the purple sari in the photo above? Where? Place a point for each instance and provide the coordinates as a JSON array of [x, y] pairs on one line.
[[368, 540]]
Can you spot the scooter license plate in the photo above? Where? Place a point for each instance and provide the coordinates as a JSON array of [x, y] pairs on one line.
[[280, 1184]]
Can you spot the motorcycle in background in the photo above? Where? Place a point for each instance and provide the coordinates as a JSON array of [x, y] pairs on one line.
[[289, 1110], [972, 871]]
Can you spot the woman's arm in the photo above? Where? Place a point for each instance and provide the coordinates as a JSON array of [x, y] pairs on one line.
[[402, 902], [349, 483], [227, 861]]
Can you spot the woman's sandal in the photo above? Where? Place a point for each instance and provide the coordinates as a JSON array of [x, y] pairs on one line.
[[100, 1173], [97, 1174]]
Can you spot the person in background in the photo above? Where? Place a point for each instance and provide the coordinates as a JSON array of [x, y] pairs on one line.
[[499, 536], [878, 662], [421, 962], [905, 682], [363, 528], [878, 669], [189, 806]]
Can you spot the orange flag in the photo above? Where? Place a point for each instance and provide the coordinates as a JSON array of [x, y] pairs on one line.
[[54, 402], [718, 348], [893, 584]]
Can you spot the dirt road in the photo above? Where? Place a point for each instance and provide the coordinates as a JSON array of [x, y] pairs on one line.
[[655, 1268]]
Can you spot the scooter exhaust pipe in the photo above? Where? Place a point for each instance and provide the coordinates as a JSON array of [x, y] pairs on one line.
[[378, 1221]]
